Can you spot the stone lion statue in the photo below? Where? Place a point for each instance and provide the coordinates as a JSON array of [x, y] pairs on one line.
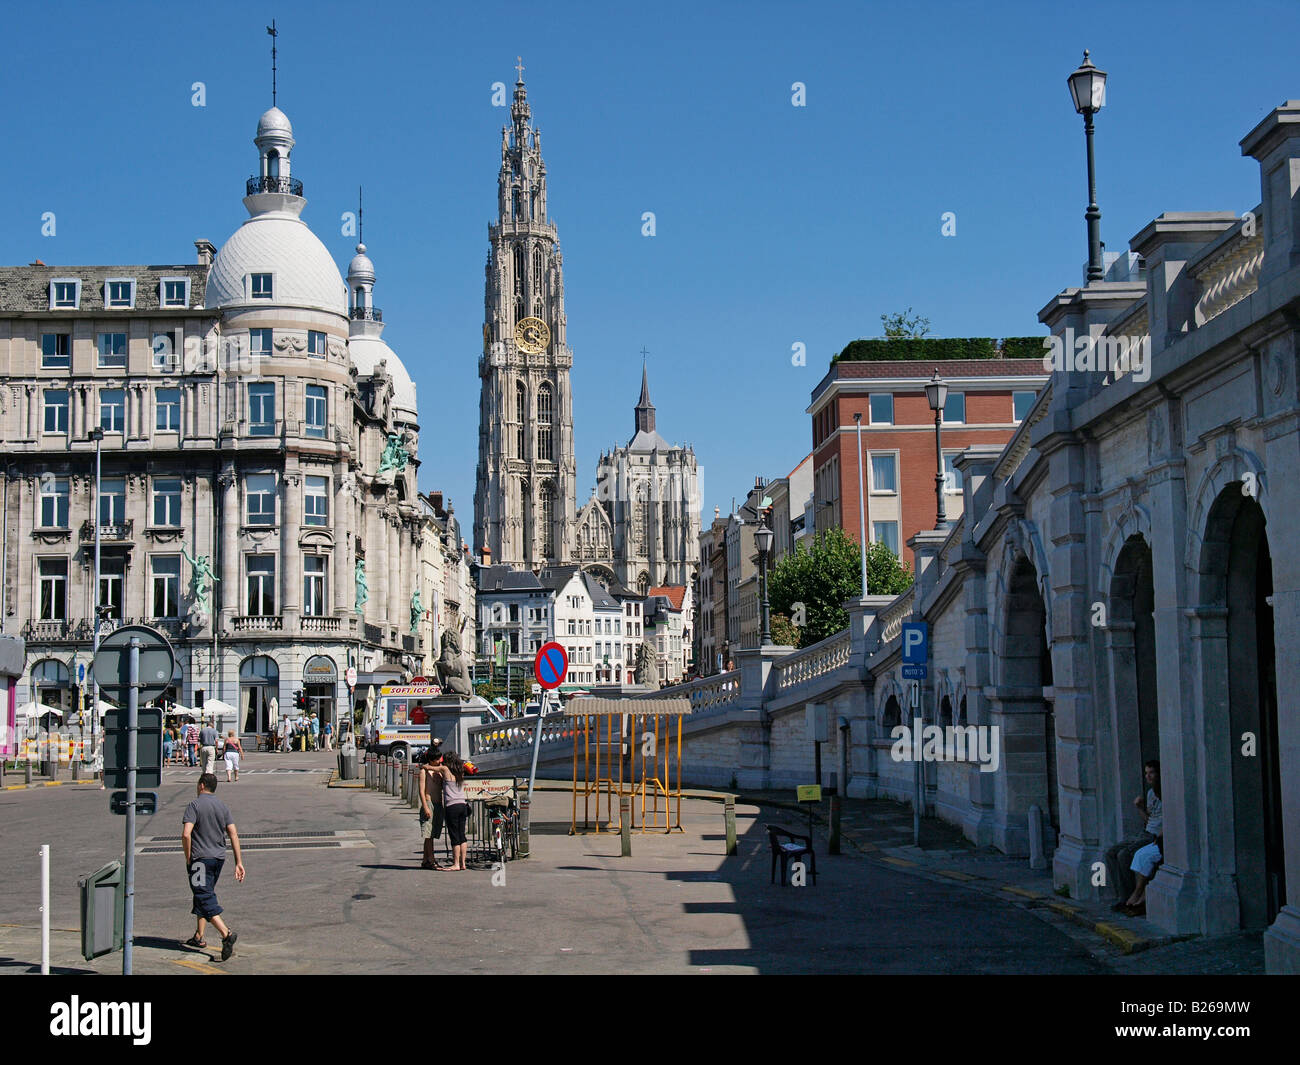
[[453, 674]]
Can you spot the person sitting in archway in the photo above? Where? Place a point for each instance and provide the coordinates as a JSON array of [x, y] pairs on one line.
[[1119, 858]]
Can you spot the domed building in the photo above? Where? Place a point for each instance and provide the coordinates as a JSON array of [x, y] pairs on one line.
[[259, 450]]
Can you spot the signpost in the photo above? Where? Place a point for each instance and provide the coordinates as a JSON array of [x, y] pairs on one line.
[[916, 657], [812, 795], [135, 662], [550, 668]]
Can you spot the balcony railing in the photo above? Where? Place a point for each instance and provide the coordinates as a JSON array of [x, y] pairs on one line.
[[366, 314], [290, 186], [65, 631], [323, 626], [117, 530], [259, 623], [374, 633]]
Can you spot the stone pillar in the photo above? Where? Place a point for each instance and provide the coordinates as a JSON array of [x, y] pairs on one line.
[[864, 641], [1275, 143], [392, 579], [1167, 244], [290, 553], [757, 684], [342, 566]]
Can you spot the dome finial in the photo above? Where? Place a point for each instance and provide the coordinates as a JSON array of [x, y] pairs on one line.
[[274, 35]]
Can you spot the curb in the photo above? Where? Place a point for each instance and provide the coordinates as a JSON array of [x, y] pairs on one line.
[[49, 784], [335, 782]]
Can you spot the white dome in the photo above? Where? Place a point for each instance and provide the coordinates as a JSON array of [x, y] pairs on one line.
[[274, 121], [305, 274], [361, 268], [366, 351]]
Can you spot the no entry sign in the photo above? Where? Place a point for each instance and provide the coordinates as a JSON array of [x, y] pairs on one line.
[[551, 665]]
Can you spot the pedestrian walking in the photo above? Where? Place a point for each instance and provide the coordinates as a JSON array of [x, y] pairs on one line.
[[315, 732], [455, 807], [191, 743], [233, 751], [205, 826], [168, 744], [207, 749], [286, 732], [431, 808], [327, 732]]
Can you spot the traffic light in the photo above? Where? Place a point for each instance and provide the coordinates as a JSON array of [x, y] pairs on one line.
[[198, 698], [300, 699]]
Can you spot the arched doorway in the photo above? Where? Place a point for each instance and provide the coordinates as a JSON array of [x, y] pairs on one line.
[[259, 683], [320, 684], [52, 684], [1237, 573], [1131, 646]]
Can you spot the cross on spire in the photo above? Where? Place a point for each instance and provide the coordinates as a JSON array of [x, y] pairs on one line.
[[519, 68], [644, 353], [274, 34]]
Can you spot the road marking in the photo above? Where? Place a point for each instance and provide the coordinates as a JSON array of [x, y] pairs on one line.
[[199, 966], [1023, 892], [899, 861], [955, 875]]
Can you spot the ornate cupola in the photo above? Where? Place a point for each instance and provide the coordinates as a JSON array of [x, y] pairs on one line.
[[361, 289], [273, 187]]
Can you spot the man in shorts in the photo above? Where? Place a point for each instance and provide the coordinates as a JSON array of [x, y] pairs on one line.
[[206, 824], [207, 749], [430, 807]]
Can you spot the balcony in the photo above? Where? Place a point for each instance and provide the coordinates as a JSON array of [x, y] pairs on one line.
[[175, 628], [64, 631], [289, 186], [258, 623], [366, 314], [322, 626], [109, 531], [374, 633]]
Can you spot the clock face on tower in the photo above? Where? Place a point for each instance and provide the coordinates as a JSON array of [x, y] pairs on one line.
[[532, 335]]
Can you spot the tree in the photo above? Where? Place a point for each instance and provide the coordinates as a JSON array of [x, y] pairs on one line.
[[815, 581], [904, 325], [785, 633]]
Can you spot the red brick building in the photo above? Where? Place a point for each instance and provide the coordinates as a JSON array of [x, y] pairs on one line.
[[986, 400]]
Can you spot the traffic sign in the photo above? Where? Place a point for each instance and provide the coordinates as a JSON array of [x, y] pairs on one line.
[[914, 694], [148, 750], [916, 640], [351, 676], [809, 792], [551, 665], [81, 674], [915, 672], [146, 802], [113, 662]]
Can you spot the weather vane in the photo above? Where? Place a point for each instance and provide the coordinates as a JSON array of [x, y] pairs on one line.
[[274, 34]]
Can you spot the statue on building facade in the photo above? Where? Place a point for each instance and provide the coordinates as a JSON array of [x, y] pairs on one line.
[[417, 610], [453, 674], [363, 589], [395, 456], [202, 578]]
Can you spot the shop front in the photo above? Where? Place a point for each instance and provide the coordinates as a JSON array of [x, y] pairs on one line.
[[259, 683], [320, 683]]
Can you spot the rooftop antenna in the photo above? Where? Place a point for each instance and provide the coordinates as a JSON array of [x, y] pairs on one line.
[[274, 34], [360, 238]]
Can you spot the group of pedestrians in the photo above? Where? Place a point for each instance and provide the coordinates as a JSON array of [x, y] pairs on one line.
[[443, 804], [181, 744], [305, 733]]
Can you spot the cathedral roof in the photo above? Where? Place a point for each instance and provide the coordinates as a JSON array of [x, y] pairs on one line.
[[648, 440]]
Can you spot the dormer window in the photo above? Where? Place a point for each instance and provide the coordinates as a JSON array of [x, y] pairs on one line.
[[119, 293], [65, 293], [174, 292], [260, 286]]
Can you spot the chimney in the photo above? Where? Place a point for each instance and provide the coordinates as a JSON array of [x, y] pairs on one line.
[[485, 555], [207, 250]]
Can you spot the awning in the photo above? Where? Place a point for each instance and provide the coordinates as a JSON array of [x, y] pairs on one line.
[[653, 707]]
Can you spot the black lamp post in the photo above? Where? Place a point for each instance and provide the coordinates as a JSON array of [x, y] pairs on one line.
[[763, 537], [97, 435], [936, 394], [1088, 90]]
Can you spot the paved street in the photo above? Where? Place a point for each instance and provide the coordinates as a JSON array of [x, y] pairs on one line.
[[339, 889]]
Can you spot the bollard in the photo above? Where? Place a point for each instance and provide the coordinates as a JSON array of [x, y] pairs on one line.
[[412, 789], [27, 771], [525, 814], [625, 825], [729, 822], [393, 769], [402, 789], [1036, 859], [833, 844]]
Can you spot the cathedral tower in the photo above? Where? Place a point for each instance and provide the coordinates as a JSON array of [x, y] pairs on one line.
[[524, 493]]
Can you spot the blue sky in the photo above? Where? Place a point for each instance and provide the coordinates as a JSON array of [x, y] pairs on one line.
[[776, 224]]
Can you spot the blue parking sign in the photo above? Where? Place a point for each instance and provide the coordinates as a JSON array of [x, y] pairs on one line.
[[916, 641]]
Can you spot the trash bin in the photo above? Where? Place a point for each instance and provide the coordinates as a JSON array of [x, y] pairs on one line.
[[348, 762], [103, 910]]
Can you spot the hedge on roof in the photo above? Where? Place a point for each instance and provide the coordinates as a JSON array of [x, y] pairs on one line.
[[938, 349]]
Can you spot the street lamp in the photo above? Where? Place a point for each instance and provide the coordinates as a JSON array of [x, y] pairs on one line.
[[862, 505], [97, 435], [1088, 90], [936, 394], [763, 537]]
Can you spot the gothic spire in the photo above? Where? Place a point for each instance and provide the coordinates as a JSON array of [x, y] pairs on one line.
[[645, 410]]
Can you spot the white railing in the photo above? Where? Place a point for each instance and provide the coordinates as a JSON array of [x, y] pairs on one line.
[[813, 661], [516, 734], [708, 694], [1231, 276], [893, 616]]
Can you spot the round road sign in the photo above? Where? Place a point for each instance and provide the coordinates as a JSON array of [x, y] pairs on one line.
[[351, 676], [113, 662], [551, 665]]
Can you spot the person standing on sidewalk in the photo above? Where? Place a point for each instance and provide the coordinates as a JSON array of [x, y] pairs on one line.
[[1119, 858], [191, 743], [207, 750], [206, 824], [430, 806], [455, 806]]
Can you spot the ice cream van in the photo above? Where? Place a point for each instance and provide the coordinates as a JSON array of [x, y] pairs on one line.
[[401, 718]]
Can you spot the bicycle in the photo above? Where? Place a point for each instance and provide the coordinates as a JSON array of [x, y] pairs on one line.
[[505, 832]]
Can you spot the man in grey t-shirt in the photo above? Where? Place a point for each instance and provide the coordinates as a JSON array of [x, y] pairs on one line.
[[207, 750], [206, 824]]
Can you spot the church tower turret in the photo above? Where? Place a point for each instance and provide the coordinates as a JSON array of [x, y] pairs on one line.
[[525, 485]]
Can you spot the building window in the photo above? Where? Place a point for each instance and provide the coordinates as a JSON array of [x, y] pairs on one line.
[[166, 585], [65, 293], [112, 574], [316, 501], [261, 585], [544, 423], [260, 491], [882, 408], [884, 473], [514, 643], [316, 410], [54, 589], [951, 475], [316, 343], [119, 293], [112, 351], [521, 409], [167, 501], [954, 411], [885, 532], [546, 512], [112, 501], [167, 407], [167, 349], [259, 341], [514, 611], [313, 585], [175, 292], [54, 502], [56, 351], [261, 409], [1020, 404], [112, 409], [260, 286], [572, 627], [56, 410]]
